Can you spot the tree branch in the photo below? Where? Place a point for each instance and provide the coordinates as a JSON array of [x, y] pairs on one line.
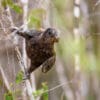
[[4, 78]]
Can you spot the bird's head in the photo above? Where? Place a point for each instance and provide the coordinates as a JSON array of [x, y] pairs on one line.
[[51, 35]]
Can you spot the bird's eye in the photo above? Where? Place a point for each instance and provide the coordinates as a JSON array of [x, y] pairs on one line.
[[49, 33]]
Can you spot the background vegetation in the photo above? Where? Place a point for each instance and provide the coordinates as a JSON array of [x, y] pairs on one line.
[[76, 73]]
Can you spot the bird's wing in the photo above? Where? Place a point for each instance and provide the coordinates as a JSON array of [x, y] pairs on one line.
[[34, 33], [29, 33], [48, 64]]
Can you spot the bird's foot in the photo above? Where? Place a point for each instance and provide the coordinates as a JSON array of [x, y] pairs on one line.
[[46, 68], [26, 76], [48, 64]]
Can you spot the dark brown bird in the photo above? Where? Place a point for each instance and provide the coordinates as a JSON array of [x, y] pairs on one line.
[[40, 48]]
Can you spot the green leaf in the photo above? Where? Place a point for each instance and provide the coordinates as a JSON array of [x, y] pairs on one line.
[[45, 94], [8, 96], [35, 17], [38, 92], [6, 2], [42, 92], [34, 22], [12, 5], [16, 8], [19, 77]]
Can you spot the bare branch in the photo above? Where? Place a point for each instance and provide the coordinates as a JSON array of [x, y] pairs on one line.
[[27, 82], [4, 78]]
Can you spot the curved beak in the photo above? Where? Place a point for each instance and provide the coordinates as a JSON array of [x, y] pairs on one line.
[[57, 39], [57, 36]]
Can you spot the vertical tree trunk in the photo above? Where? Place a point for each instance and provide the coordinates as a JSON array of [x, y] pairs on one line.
[[77, 54]]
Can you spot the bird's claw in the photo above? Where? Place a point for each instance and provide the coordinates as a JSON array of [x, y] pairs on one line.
[[27, 76]]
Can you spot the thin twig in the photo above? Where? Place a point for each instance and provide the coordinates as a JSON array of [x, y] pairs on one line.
[[27, 82], [56, 87], [4, 78]]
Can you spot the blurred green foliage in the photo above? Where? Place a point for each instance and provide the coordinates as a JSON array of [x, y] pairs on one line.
[[60, 5], [63, 18], [42, 92], [12, 95], [68, 46], [8, 96], [91, 96], [12, 5], [19, 77], [35, 17]]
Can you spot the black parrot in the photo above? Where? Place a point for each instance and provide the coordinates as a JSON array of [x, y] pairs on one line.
[[39, 48]]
